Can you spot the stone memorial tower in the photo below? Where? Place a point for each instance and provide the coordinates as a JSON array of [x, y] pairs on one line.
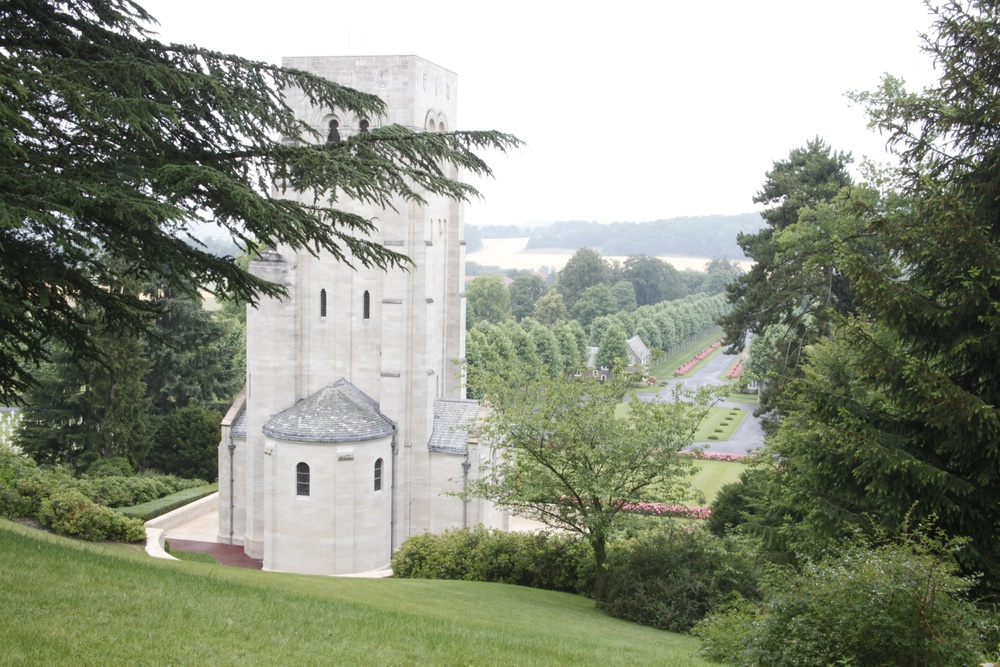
[[352, 426]]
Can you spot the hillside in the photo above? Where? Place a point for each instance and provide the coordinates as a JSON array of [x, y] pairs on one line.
[[70, 603]]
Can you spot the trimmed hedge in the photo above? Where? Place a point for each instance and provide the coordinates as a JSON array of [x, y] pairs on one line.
[[543, 560], [154, 508], [69, 512]]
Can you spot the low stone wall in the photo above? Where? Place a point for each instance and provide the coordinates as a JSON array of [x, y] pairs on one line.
[[155, 528]]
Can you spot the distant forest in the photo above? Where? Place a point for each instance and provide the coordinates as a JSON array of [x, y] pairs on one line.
[[702, 236]]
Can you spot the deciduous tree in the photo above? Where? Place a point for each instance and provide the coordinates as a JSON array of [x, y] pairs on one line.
[[584, 269], [569, 462]]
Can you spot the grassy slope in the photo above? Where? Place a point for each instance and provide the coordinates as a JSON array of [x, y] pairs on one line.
[[710, 476], [63, 602]]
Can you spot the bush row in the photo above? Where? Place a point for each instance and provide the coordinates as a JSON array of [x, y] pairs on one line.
[[69, 512], [543, 560], [121, 491], [80, 507], [154, 508], [667, 577]]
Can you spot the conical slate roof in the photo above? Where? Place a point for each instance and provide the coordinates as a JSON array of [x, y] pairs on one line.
[[339, 412]]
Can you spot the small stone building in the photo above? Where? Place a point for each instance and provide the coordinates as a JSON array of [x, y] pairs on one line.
[[353, 426]]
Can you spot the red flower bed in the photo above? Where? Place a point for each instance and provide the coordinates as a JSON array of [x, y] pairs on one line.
[[735, 371], [686, 368]]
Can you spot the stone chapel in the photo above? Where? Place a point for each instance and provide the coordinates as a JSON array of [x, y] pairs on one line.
[[353, 424]]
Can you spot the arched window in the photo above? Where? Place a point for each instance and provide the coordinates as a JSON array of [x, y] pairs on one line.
[[322, 303], [364, 125], [367, 305], [302, 479], [378, 475], [333, 136]]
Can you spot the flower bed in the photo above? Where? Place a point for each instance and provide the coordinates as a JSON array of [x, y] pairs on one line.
[[667, 509], [698, 358], [716, 456], [735, 371]]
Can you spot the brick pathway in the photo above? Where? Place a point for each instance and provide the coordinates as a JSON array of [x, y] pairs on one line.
[[231, 555]]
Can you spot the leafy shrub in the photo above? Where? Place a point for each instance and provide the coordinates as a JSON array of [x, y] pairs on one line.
[[71, 513], [128, 491], [672, 577], [116, 466], [154, 508], [895, 604], [544, 560]]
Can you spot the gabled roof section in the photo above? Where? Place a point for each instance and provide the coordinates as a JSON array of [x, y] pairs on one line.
[[639, 349], [453, 423], [339, 412], [239, 427]]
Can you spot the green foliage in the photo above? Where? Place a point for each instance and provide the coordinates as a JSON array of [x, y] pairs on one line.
[[79, 411], [488, 301], [565, 459], [595, 301], [186, 443], [195, 356], [117, 142], [672, 577], [613, 350], [895, 604], [653, 280], [586, 268], [795, 282], [160, 506], [624, 294], [117, 466], [539, 560], [524, 293], [69, 512], [550, 308]]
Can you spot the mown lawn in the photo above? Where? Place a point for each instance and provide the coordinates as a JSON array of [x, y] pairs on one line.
[[710, 476], [70, 603], [719, 424]]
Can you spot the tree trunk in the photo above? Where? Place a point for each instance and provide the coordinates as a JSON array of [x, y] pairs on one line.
[[599, 545]]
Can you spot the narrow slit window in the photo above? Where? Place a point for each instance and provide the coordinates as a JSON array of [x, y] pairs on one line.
[[367, 305], [378, 475], [322, 303], [302, 479]]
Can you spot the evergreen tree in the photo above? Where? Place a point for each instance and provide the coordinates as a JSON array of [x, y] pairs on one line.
[[786, 286], [897, 415], [118, 143]]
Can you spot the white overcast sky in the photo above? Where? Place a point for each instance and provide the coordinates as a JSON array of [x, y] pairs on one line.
[[631, 111]]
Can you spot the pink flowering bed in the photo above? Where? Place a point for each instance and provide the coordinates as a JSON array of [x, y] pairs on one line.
[[666, 509], [698, 358], [716, 456], [735, 371]]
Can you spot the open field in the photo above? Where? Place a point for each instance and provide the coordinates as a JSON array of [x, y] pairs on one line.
[[70, 603], [511, 254]]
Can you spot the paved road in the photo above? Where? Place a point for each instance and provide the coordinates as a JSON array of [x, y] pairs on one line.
[[748, 436]]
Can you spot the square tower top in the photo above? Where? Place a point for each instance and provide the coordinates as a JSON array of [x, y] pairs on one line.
[[418, 94]]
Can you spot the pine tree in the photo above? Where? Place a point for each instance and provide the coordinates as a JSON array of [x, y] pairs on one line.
[[118, 143]]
